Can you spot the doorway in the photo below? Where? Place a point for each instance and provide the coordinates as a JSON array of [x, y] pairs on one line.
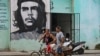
[[70, 23]]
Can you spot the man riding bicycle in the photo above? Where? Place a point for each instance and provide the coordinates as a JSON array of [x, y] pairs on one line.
[[49, 39]]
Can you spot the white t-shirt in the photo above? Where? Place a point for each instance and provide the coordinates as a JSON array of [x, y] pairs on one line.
[[59, 36]]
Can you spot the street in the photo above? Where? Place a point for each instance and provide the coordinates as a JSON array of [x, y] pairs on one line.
[[82, 55], [87, 55]]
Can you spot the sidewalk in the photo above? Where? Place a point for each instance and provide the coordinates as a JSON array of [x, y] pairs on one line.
[[14, 53], [92, 51], [28, 53]]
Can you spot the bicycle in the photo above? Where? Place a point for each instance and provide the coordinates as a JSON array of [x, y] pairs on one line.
[[37, 53], [49, 51], [41, 52]]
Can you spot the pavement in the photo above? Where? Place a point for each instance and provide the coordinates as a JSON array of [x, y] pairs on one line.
[[14, 53], [28, 53], [92, 52]]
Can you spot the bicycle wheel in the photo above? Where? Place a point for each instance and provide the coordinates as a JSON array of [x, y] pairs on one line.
[[35, 54], [47, 54]]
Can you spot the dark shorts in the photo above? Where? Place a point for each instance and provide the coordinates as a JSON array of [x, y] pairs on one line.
[[59, 50]]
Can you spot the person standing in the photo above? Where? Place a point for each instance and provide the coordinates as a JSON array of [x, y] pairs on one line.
[[60, 41]]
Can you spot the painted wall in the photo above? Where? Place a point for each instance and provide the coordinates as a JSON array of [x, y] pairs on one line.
[[28, 44], [89, 21], [61, 6], [89, 24], [4, 25], [24, 43]]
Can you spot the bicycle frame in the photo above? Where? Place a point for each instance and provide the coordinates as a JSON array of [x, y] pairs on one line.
[[39, 53], [46, 52]]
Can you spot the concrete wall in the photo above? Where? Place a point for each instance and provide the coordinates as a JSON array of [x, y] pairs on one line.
[[61, 6], [27, 44], [89, 21], [89, 24], [4, 25]]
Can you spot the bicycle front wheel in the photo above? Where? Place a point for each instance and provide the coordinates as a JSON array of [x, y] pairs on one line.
[[35, 54]]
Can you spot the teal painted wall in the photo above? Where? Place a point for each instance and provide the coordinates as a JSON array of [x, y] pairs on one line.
[[61, 6], [5, 43], [89, 21], [4, 25], [89, 24], [25, 45]]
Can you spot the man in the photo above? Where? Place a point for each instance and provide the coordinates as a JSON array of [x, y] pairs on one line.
[[31, 18], [60, 41], [47, 37], [49, 40]]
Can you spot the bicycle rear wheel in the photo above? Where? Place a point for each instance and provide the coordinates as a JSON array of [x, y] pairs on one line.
[[35, 54], [49, 54]]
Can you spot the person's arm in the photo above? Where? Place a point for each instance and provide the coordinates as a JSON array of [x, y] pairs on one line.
[[53, 37], [62, 39], [42, 37]]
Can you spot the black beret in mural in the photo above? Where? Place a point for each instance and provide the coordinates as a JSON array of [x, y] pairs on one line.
[[38, 1]]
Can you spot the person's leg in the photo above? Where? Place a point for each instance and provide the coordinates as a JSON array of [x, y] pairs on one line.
[[60, 51], [53, 46], [44, 49], [55, 50], [53, 53], [62, 54], [56, 54]]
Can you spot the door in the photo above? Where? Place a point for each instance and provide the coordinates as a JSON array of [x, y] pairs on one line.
[[76, 27]]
